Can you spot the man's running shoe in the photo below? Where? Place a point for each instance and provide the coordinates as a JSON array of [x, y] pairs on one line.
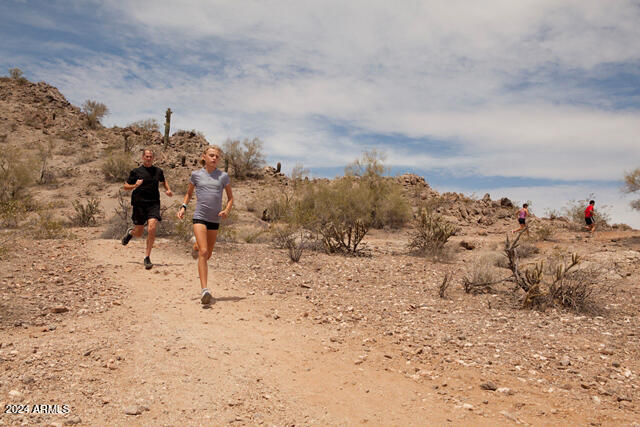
[[127, 236], [206, 297], [147, 263]]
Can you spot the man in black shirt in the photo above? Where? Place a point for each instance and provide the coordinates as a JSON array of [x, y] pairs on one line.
[[145, 200]]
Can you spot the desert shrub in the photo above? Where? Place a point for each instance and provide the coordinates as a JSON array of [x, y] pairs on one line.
[[298, 174], [86, 214], [16, 173], [48, 227], [16, 74], [294, 239], [339, 212], [431, 233], [245, 158], [116, 167], [12, 212], [270, 205], [388, 206], [577, 290], [575, 212], [526, 250], [95, 111], [543, 231], [147, 124]]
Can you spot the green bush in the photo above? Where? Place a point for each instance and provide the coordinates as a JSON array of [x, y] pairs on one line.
[[388, 206], [95, 111], [116, 167], [245, 158], [431, 233]]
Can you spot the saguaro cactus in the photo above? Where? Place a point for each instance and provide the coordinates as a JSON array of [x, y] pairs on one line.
[[167, 126]]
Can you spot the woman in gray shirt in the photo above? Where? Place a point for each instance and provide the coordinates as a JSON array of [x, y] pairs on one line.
[[208, 184]]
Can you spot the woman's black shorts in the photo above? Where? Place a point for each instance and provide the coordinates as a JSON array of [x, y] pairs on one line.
[[521, 220], [210, 225], [141, 214], [588, 220]]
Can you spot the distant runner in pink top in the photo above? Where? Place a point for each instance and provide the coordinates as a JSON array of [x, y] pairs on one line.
[[522, 219]]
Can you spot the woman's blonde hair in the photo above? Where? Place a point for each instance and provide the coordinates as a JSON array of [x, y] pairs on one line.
[[211, 147]]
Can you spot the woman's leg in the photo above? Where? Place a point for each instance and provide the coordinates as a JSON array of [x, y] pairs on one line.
[[201, 233], [212, 235]]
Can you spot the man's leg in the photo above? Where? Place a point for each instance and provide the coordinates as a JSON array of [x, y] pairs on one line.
[[151, 234]]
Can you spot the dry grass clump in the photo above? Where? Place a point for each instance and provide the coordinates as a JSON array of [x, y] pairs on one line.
[[481, 276]]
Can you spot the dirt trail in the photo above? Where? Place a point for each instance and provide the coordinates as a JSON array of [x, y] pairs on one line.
[[237, 362]]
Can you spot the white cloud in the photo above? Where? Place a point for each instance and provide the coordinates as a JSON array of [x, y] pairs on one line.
[[426, 70]]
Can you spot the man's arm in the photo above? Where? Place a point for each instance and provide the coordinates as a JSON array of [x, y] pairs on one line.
[[129, 187], [167, 189]]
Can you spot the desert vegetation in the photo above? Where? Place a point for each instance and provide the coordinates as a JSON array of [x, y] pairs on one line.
[[94, 111]]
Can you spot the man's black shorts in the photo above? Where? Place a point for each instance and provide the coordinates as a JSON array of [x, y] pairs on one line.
[[210, 225], [141, 214], [588, 220]]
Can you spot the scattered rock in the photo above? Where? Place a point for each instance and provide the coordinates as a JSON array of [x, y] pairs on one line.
[[133, 410], [488, 386], [467, 245]]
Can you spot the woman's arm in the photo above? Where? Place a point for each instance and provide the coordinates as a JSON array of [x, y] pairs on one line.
[[225, 212], [185, 201]]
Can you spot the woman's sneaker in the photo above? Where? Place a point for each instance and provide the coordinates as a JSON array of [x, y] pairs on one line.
[[147, 263], [206, 297]]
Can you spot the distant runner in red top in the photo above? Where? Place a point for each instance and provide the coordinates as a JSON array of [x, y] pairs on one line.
[[588, 217]]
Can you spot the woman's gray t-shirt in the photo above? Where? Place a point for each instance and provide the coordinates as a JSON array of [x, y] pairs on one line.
[[209, 187]]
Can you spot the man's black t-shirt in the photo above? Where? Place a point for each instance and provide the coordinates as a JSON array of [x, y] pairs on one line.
[[148, 192]]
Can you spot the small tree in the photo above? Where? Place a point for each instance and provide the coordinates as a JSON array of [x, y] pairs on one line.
[[15, 73], [245, 158], [632, 185], [95, 111]]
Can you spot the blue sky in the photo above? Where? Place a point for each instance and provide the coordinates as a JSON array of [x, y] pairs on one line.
[[534, 100]]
